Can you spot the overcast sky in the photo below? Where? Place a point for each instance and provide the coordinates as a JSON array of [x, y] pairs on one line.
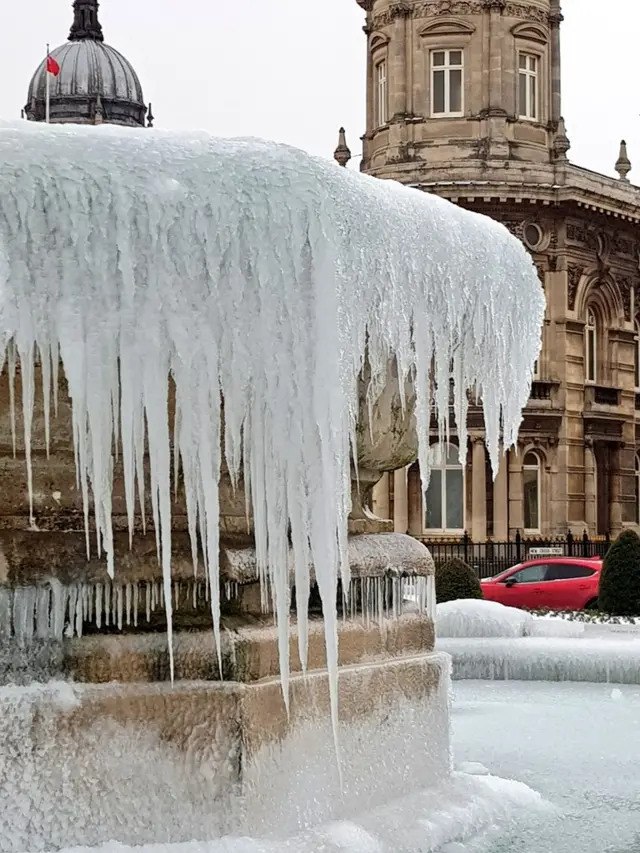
[[293, 70]]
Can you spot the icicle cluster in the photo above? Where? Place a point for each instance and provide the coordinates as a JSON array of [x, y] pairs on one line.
[[252, 271], [54, 610]]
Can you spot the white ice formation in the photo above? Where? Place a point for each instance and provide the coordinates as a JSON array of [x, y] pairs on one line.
[[255, 272]]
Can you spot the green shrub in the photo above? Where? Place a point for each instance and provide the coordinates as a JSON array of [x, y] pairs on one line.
[[454, 580], [620, 579]]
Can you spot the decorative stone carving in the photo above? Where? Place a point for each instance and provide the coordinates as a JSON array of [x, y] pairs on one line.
[[625, 286], [432, 8], [527, 12], [574, 274], [386, 436]]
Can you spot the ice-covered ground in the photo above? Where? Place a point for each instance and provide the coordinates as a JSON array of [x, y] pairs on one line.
[[470, 806], [577, 744], [489, 641]]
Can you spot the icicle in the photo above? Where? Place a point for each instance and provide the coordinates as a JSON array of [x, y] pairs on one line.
[[136, 603], [71, 616], [6, 609], [270, 306], [43, 611], [128, 602], [99, 605], [59, 595], [11, 361], [79, 613], [24, 602], [148, 599], [120, 606]]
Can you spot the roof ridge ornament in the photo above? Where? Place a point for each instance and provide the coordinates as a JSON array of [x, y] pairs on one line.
[[86, 25]]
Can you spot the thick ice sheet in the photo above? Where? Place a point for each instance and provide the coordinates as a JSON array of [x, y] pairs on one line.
[[576, 744], [249, 270], [614, 659]]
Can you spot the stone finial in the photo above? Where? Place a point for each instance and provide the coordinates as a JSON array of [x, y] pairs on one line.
[[342, 154], [561, 144], [623, 164], [150, 116], [99, 113]]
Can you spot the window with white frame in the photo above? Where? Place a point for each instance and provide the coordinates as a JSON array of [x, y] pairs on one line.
[[591, 346], [382, 93], [531, 492], [447, 78], [528, 82], [636, 356], [444, 501]]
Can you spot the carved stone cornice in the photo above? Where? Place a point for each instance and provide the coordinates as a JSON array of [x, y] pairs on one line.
[[433, 8]]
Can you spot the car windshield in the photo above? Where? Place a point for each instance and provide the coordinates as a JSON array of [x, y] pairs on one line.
[[504, 572]]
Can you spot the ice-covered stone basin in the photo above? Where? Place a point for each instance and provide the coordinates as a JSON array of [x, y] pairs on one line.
[[489, 641]]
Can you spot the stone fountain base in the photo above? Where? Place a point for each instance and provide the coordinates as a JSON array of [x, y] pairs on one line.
[[142, 762], [98, 745]]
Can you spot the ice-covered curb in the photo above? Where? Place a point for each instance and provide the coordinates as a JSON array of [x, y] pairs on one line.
[[463, 808], [490, 641], [598, 659], [470, 618]]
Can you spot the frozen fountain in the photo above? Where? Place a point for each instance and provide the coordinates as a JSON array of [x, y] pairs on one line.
[[198, 614]]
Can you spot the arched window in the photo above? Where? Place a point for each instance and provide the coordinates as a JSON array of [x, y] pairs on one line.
[[531, 493], [637, 490], [636, 355], [444, 502], [591, 346]]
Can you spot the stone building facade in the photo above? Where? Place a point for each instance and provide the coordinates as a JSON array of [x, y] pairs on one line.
[[464, 100]]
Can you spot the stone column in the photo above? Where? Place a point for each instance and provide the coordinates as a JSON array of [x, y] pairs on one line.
[[496, 107], [501, 501], [555, 19], [516, 503], [590, 497], [398, 66], [415, 501], [380, 497], [400, 501], [615, 508], [478, 492]]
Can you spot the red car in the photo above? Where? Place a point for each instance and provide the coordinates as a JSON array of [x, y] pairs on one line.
[[557, 583]]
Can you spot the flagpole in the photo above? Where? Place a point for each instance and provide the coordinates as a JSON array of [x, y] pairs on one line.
[[48, 89]]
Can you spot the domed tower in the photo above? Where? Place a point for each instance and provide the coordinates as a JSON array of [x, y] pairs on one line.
[[462, 84], [95, 83]]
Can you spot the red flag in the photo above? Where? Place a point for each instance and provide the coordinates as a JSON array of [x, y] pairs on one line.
[[52, 66]]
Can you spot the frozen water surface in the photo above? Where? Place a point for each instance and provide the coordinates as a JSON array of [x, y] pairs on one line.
[[576, 744]]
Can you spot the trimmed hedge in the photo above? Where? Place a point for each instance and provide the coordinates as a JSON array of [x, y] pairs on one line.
[[456, 580], [620, 578]]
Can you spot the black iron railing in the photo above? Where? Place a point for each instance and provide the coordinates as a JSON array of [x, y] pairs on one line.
[[490, 558]]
